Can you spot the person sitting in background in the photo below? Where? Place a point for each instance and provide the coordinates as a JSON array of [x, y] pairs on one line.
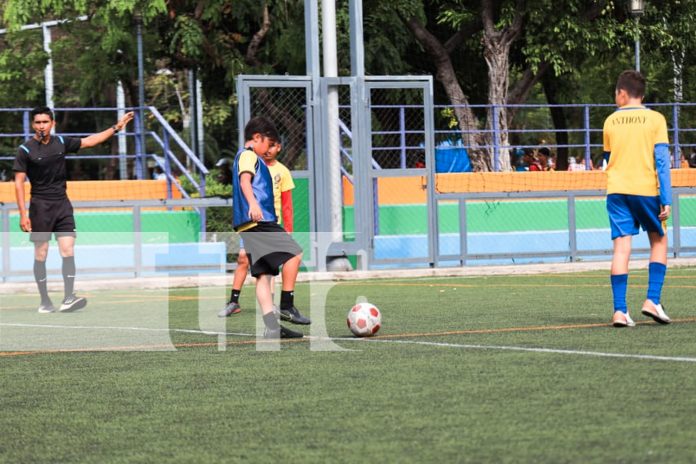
[[532, 161], [519, 161], [573, 164], [546, 159], [683, 162]]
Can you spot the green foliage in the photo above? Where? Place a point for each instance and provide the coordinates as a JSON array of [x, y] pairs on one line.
[[218, 219], [20, 54]]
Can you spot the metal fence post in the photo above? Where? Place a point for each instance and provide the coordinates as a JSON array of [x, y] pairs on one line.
[[167, 163], [675, 129], [676, 232], [137, 241], [463, 238], [5, 243], [588, 153], [572, 229], [496, 138], [138, 147], [402, 135], [26, 124]]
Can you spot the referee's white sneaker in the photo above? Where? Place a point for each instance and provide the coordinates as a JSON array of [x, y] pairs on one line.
[[72, 303], [45, 308], [656, 312]]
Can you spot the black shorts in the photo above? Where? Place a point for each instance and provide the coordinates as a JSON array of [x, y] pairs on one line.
[[51, 216], [268, 246]]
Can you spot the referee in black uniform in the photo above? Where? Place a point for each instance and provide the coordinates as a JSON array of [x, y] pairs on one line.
[[41, 159]]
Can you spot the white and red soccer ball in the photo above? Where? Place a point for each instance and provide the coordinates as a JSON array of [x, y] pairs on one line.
[[364, 320]]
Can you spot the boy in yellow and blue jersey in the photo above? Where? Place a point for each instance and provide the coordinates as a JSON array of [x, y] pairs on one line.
[[639, 192], [268, 245], [283, 185]]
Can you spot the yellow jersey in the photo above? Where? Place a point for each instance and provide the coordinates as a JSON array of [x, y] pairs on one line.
[[630, 136], [282, 182]]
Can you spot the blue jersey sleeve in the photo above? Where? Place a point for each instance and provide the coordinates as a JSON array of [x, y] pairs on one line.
[[662, 165]]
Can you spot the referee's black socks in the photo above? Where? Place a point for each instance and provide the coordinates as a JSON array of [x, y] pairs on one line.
[[40, 277], [68, 274]]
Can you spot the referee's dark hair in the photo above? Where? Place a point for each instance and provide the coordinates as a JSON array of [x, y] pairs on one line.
[[632, 82], [260, 125], [42, 110]]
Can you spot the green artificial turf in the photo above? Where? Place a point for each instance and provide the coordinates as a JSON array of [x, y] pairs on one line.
[[447, 379]]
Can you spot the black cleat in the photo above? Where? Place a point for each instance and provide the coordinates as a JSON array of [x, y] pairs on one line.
[[293, 316], [230, 309], [72, 303], [281, 333]]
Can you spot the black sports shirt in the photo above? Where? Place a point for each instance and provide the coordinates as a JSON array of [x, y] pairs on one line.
[[45, 165]]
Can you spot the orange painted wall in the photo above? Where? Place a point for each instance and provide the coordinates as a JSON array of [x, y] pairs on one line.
[[91, 190], [412, 190]]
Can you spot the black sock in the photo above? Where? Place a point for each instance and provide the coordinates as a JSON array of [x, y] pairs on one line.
[[287, 299], [40, 277], [234, 295], [271, 321], [68, 274]]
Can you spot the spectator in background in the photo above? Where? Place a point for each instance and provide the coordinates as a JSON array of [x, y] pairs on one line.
[[683, 162], [532, 160], [546, 159], [692, 160], [574, 165], [519, 160]]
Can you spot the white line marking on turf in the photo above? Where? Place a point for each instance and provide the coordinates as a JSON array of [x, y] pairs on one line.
[[377, 340], [530, 349], [141, 329]]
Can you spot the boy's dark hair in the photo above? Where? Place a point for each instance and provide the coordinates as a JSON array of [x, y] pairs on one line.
[[42, 110], [632, 82], [260, 125]]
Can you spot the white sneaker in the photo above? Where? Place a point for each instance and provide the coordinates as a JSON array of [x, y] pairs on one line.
[[656, 312], [629, 321], [72, 303], [621, 319], [46, 308]]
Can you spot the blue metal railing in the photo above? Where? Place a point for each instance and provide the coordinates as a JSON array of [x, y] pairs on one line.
[[680, 129]]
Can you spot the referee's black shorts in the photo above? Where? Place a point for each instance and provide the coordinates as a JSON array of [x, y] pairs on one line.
[[269, 246], [50, 216]]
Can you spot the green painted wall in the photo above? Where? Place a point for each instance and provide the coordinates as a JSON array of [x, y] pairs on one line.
[[117, 227], [502, 216], [482, 216]]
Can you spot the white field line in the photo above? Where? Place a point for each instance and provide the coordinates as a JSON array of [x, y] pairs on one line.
[[139, 329], [531, 350], [393, 341]]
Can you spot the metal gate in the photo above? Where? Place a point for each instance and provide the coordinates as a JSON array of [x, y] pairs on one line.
[[339, 117]]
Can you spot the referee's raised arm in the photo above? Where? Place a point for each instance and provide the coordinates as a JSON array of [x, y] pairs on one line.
[[103, 136]]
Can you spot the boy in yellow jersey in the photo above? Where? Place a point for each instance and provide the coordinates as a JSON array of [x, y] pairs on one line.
[[282, 202], [639, 192]]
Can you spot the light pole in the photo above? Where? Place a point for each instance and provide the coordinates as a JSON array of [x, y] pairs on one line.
[[636, 7]]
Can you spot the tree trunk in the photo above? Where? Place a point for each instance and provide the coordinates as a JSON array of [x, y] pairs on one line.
[[496, 55], [560, 122], [445, 74], [496, 51]]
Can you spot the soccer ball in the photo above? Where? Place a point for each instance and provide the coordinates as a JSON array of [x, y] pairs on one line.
[[364, 319]]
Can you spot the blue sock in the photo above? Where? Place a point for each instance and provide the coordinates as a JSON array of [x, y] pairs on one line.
[[656, 277], [619, 283]]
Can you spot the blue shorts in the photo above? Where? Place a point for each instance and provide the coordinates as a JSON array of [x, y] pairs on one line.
[[628, 212]]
